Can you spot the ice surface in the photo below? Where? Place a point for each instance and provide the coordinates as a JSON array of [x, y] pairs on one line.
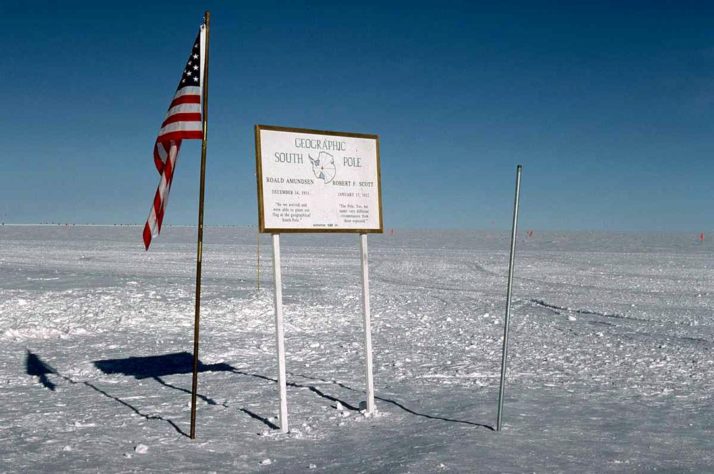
[[611, 363]]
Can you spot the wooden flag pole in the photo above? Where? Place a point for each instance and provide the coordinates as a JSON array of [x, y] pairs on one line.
[[199, 246]]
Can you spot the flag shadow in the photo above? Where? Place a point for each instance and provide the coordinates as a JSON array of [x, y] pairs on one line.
[[40, 369]]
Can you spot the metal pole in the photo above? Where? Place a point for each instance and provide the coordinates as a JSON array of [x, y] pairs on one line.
[[367, 323], [199, 246], [508, 296], [280, 333]]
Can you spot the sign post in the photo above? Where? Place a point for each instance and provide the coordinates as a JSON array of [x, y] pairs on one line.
[[318, 181], [511, 261], [367, 323], [280, 333]]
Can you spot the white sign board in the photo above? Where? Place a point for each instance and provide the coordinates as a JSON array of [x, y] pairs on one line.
[[317, 181]]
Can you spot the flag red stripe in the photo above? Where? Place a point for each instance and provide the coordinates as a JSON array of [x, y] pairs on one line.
[[186, 99], [169, 172], [158, 205], [147, 236], [182, 117], [189, 134]]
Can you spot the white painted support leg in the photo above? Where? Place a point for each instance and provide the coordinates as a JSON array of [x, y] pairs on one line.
[[367, 323], [280, 333]]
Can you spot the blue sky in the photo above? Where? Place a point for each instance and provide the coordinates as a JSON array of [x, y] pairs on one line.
[[608, 105]]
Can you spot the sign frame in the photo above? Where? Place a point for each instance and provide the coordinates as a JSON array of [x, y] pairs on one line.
[[259, 177]]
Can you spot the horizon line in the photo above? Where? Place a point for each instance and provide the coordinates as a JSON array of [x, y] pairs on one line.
[[472, 229]]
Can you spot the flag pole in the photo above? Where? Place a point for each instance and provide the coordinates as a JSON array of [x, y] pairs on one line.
[[199, 246], [511, 262]]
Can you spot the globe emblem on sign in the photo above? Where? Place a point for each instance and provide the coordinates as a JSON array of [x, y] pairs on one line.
[[323, 166]]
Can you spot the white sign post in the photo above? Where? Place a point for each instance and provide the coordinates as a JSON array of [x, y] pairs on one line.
[[318, 181], [280, 333], [367, 323]]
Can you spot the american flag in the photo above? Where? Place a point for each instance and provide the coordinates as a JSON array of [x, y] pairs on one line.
[[182, 121]]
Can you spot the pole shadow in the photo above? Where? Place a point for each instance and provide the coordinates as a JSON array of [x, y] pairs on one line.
[[255, 416], [312, 388], [398, 404]]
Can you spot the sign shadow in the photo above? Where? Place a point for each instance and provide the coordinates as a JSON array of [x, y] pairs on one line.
[[155, 367], [35, 366]]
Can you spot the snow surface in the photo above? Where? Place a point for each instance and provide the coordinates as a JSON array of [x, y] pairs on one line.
[[611, 364]]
